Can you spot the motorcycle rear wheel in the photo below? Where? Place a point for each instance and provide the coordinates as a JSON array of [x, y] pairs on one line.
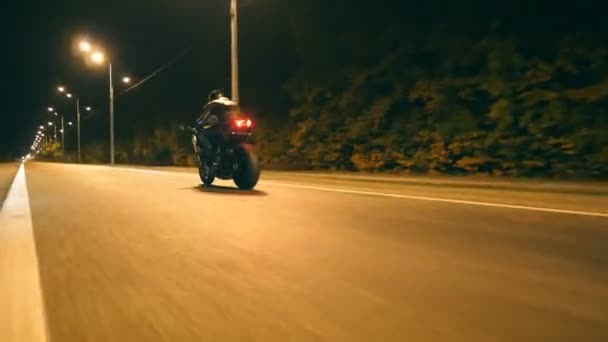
[[248, 174]]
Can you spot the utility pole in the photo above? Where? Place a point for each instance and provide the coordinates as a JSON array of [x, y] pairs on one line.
[[234, 28], [62, 137], [78, 127], [111, 116]]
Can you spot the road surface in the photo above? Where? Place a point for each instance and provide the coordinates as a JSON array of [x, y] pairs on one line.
[[146, 255]]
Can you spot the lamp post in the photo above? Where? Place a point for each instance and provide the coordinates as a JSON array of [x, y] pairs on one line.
[[62, 89], [98, 57], [55, 130], [234, 47], [111, 114], [61, 130], [52, 111], [78, 128], [42, 136], [62, 137]]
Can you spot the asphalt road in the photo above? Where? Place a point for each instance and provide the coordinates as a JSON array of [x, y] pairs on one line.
[[141, 255]]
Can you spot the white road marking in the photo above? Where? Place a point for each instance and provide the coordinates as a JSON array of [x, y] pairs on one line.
[[22, 317], [439, 199], [147, 171], [393, 195]]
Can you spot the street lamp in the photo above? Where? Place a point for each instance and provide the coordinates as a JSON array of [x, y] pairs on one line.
[[88, 109], [62, 134], [84, 46], [50, 109], [99, 58], [62, 89], [54, 128], [234, 49]]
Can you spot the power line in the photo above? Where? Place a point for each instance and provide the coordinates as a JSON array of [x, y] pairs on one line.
[[159, 70]]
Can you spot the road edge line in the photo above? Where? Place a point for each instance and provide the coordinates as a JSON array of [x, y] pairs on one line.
[[19, 244]]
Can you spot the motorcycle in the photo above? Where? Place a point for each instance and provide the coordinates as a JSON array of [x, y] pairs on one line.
[[236, 157]]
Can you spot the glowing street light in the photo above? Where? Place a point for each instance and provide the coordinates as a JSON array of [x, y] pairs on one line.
[[50, 109], [56, 114], [50, 123], [70, 123], [84, 46], [88, 109], [98, 57], [41, 127]]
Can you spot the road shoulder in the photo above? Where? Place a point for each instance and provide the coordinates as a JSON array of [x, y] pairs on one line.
[[22, 316]]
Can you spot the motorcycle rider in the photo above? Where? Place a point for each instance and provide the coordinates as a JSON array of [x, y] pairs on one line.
[[212, 124]]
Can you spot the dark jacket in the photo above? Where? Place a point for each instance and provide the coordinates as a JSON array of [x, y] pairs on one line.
[[216, 113]]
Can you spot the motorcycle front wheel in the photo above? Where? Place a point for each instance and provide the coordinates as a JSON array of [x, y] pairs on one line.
[[205, 173]]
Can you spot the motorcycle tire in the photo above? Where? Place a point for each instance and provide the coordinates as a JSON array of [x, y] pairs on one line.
[[206, 178], [248, 174]]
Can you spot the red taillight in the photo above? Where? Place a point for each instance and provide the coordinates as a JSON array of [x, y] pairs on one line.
[[243, 123]]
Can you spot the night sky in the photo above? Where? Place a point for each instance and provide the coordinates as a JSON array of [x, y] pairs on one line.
[[144, 35], [140, 36]]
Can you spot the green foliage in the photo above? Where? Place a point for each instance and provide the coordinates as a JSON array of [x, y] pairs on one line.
[[425, 102], [95, 153], [452, 105], [163, 146]]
